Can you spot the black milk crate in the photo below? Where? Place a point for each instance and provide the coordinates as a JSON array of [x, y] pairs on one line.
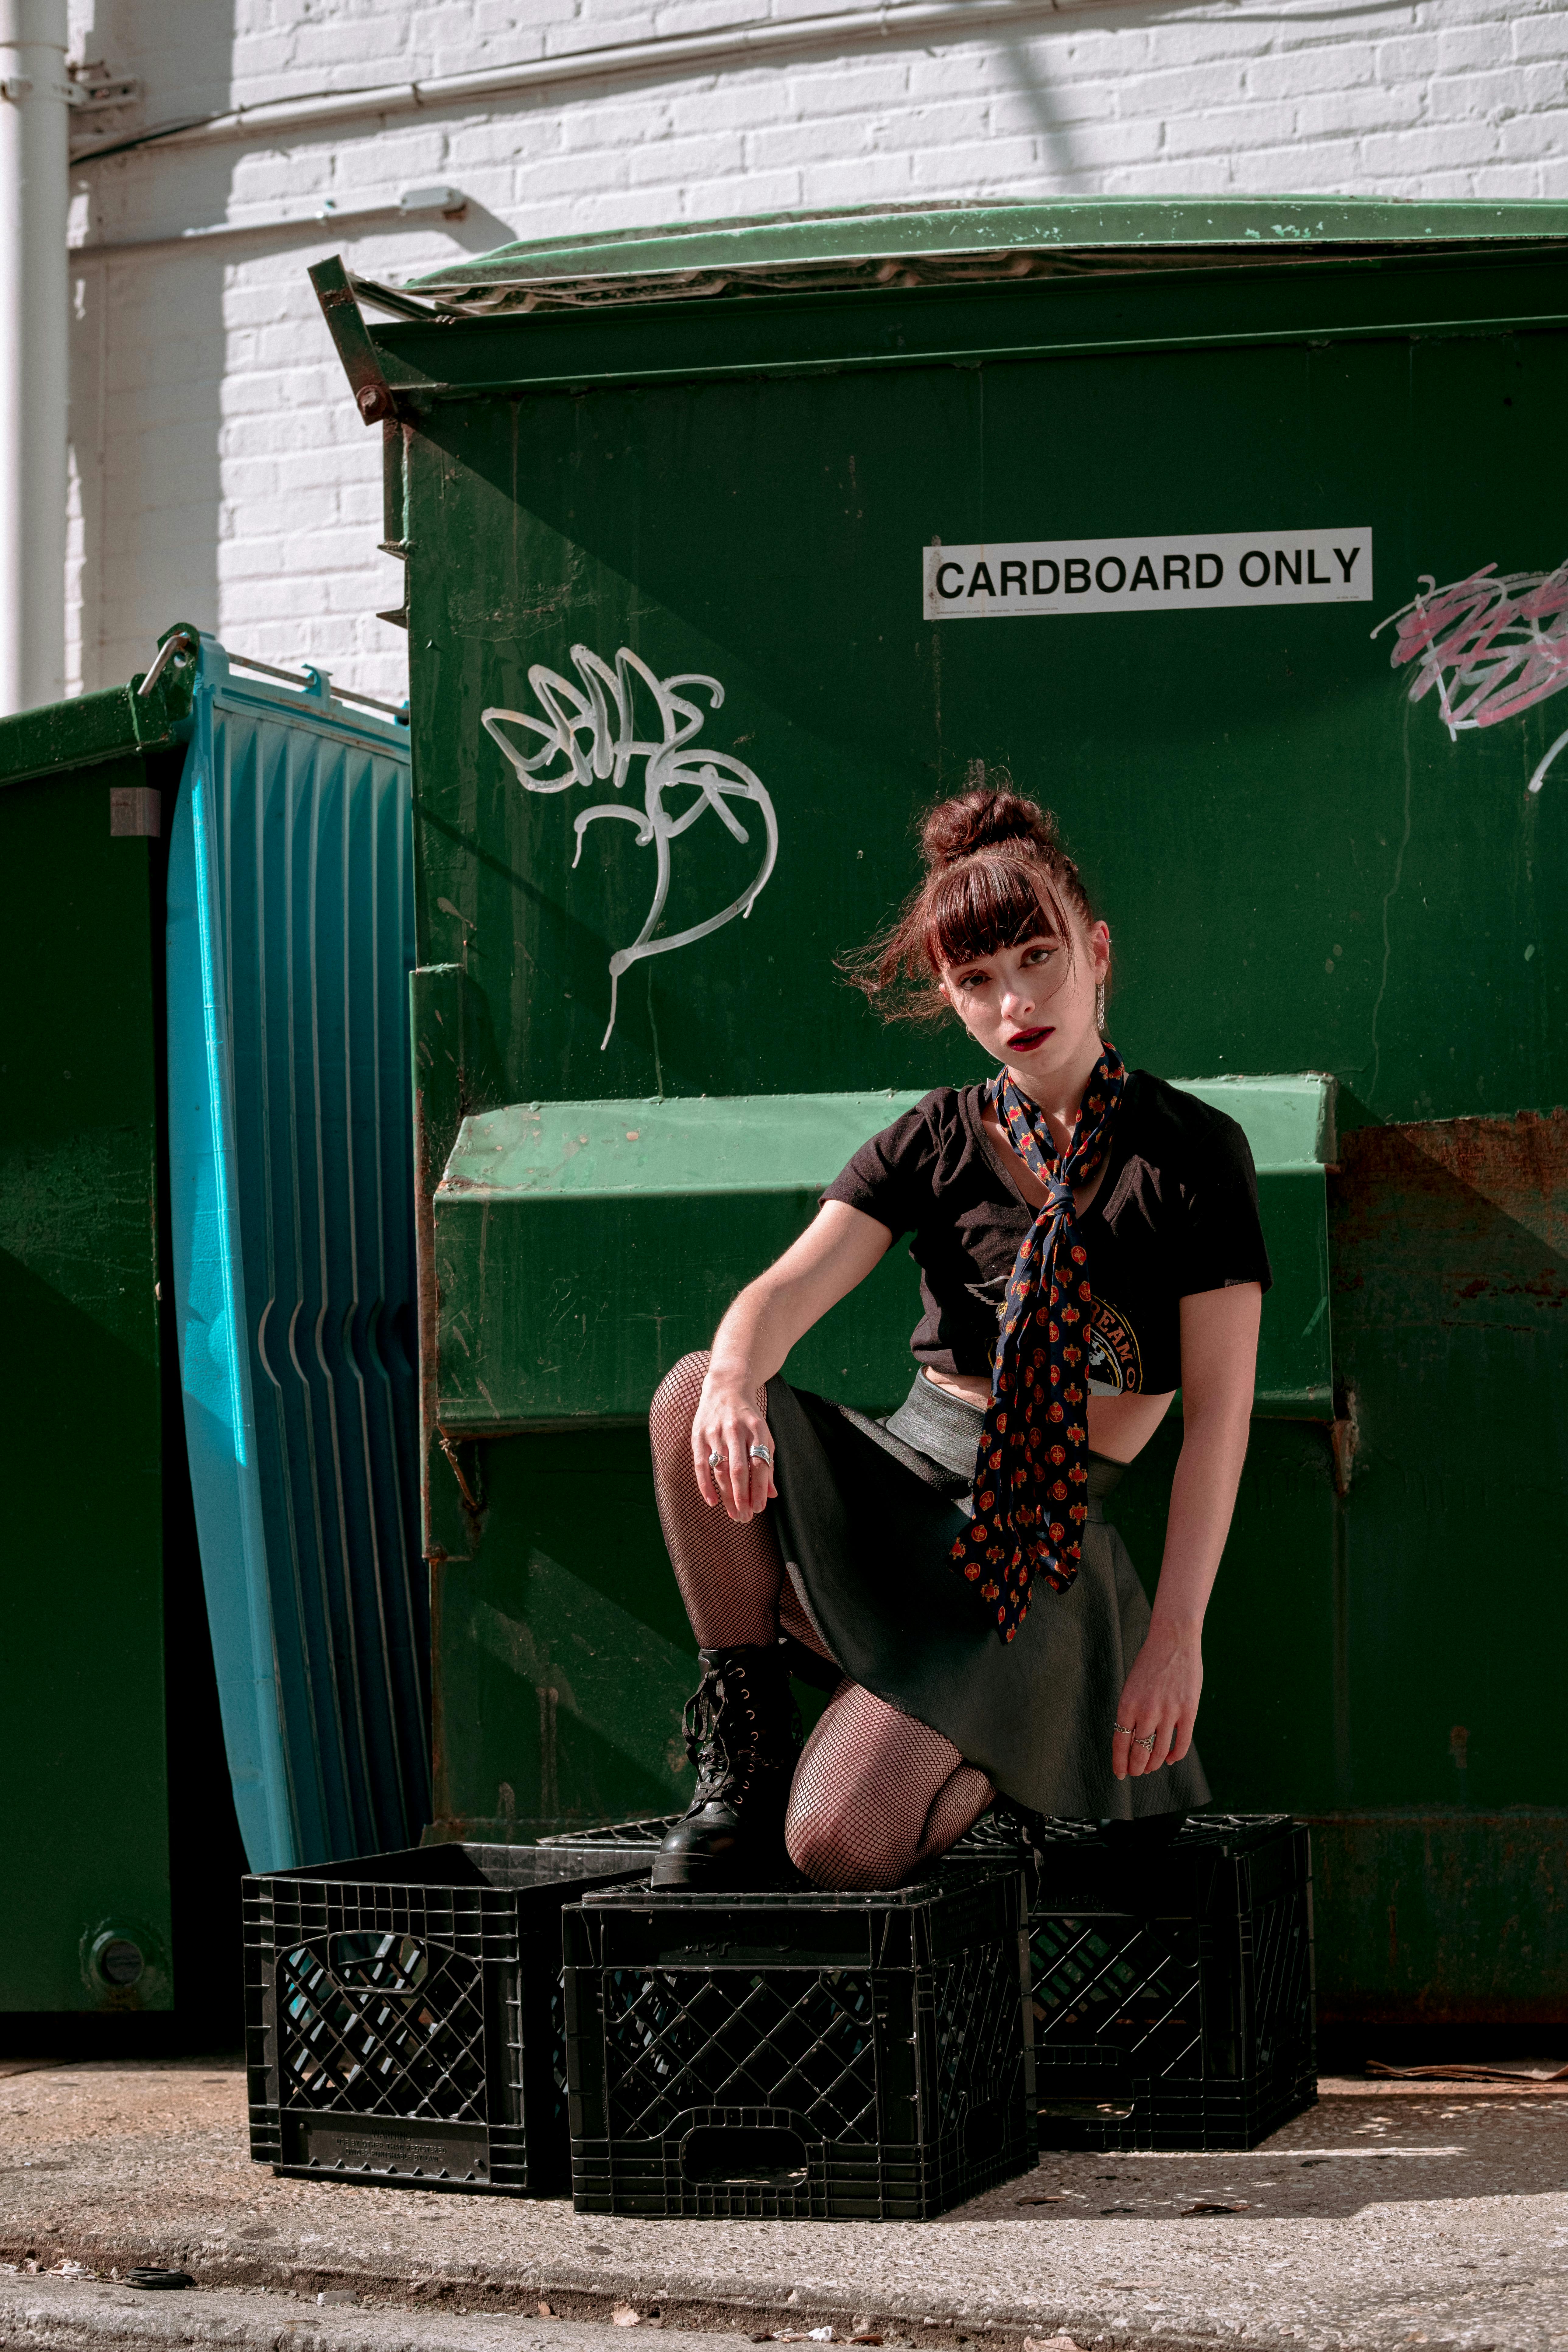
[[812, 2056], [404, 2019], [645, 1836], [1172, 1980]]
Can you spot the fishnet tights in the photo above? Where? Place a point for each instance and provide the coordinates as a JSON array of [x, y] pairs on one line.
[[731, 1577], [876, 1794]]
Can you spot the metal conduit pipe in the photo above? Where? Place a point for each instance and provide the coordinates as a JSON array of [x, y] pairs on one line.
[[34, 99], [414, 203], [674, 54]]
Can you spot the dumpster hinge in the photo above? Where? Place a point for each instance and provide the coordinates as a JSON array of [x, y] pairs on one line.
[[374, 397]]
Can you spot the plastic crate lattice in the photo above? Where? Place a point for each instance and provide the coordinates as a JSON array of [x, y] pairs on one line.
[[1281, 1978], [1104, 1986], [383, 2025], [841, 2056], [680, 2038], [405, 2021], [974, 2002]]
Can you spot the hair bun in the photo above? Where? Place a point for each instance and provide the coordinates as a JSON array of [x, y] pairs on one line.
[[985, 818]]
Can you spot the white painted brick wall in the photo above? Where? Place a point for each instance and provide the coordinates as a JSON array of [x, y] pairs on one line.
[[220, 474]]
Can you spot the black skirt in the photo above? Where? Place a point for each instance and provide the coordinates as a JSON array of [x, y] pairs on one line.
[[868, 1514]]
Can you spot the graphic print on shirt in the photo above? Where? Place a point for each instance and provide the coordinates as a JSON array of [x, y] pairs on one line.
[[1114, 1367], [991, 1294]]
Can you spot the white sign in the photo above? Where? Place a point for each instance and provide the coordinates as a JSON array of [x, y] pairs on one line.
[[1017, 577]]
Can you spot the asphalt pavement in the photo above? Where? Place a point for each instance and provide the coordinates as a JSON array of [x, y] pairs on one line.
[[1379, 2219]]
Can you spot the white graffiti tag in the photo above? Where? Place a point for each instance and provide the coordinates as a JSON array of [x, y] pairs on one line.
[[589, 733], [1492, 645]]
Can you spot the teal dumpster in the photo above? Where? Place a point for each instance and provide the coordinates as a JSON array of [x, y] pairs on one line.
[[1223, 528], [290, 943]]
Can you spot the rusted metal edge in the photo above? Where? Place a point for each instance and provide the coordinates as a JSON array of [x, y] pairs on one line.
[[345, 323]]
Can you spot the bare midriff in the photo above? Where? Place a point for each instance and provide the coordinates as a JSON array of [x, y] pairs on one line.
[[1119, 1427]]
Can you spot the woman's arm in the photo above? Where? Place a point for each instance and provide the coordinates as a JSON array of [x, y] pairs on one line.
[[837, 1249], [1219, 1362]]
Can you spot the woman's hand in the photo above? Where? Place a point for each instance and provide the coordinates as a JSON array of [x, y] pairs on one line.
[[1219, 1351], [837, 1249], [728, 1424], [1160, 1696]]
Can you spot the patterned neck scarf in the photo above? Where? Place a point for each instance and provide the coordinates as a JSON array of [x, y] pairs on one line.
[[1033, 1466]]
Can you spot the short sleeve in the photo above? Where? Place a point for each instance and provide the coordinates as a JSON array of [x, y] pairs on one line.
[[890, 1177], [1222, 1233]]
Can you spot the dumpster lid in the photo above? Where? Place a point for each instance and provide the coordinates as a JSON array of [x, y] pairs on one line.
[[643, 1148], [150, 714], [918, 244]]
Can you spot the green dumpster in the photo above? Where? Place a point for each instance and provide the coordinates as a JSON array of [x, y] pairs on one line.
[[1226, 529], [110, 1723]]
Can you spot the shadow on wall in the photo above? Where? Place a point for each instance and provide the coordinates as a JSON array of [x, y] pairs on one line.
[[148, 348], [1056, 160], [147, 370], [479, 230], [191, 391]]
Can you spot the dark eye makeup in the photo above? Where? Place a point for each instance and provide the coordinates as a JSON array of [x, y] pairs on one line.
[[1034, 951]]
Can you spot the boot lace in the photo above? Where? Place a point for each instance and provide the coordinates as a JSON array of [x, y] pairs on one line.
[[705, 1744], [725, 1766]]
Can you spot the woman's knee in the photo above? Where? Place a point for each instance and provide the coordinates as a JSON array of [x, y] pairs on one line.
[[834, 1839], [674, 1400]]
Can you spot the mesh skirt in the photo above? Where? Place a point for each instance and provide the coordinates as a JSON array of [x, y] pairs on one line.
[[868, 1512]]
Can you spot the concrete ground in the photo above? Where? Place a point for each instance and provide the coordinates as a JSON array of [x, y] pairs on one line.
[[1387, 2216]]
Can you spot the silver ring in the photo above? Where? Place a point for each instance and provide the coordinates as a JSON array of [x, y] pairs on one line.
[[1124, 1730], [1148, 1743], [714, 1460], [761, 1453]]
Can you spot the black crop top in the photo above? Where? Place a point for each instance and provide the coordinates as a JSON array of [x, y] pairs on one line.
[[1176, 1211]]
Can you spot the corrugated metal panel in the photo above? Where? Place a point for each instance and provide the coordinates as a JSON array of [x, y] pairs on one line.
[[290, 939]]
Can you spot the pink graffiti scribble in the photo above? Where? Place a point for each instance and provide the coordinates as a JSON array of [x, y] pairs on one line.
[[1490, 645]]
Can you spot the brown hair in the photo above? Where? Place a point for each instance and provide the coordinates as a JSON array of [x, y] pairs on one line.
[[994, 866]]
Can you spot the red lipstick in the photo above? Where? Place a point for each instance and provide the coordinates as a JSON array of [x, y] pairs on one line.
[[1027, 1039]]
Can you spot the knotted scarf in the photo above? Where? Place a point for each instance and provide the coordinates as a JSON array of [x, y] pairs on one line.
[[1032, 1469]]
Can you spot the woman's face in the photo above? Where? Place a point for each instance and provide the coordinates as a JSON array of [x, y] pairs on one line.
[[1033, 1006]]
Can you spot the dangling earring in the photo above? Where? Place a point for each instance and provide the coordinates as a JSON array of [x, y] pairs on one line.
[[1100, 1006]]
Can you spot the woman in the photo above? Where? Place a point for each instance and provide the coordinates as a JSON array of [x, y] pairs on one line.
[[1088, 1240]]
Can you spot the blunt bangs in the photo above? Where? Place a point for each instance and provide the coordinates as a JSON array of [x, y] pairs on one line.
[[988, 903]]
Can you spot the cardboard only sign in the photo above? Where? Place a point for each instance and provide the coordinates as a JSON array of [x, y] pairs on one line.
[[1023, 576]]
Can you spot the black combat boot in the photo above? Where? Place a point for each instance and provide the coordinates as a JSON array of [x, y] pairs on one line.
[[743, 1736]]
